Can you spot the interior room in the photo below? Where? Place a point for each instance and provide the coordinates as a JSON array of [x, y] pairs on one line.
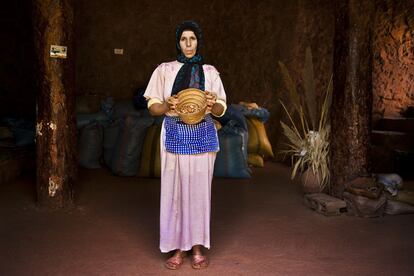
[[312, 171]]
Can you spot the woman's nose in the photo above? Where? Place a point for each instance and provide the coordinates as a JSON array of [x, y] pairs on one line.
[[188, 43]]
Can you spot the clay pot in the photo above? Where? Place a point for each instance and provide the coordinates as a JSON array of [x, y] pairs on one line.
[[310, 182]]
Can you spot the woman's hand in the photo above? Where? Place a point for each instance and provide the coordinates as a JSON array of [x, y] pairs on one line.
[[212, 106], [172, 102], [211, 100]]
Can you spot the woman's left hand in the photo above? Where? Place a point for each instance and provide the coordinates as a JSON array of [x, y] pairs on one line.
[[211, 100]]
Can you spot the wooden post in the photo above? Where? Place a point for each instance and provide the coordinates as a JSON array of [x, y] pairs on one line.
[[56, 125], [352, 96]]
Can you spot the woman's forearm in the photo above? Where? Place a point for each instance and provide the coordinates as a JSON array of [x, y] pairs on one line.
[[217, 109], [159, 109]]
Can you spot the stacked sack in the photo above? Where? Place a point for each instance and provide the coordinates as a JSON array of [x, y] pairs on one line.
[[111, 133], [126, 154], [400, 199], [231, 160], [126, 138], [378, 195], [89, 119], [90, 141], [20, 130], [259, 147], [88, 110], [150, 165]]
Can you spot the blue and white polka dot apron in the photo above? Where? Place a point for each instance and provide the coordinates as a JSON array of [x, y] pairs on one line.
[[182, 138]]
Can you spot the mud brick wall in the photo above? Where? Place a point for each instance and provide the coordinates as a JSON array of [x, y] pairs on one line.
[[244, 40], [393, 64], [314, 29]]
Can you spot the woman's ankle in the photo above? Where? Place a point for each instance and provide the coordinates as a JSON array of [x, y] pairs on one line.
[[197, 250]]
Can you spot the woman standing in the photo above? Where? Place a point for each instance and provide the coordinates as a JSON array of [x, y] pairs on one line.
[[187, 162]]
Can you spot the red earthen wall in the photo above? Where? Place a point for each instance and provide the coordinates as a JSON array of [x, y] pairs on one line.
[[243, 39], [393, 65]]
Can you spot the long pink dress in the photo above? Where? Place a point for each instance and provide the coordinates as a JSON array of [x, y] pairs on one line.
[[185, 179]]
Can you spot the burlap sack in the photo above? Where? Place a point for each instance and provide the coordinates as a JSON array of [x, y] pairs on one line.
[[258, 140], [406, 196], [255, 160], [363, 206], [394, 207], [150, 165]]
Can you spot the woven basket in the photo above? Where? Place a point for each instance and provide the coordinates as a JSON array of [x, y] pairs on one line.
[[191, 98]]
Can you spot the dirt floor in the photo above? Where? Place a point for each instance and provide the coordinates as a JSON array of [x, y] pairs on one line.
[[259, 227]]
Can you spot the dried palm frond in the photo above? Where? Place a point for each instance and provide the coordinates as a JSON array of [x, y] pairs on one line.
[[293, 137], [291, 119], [290, 86], [326, 105], [309, 87]]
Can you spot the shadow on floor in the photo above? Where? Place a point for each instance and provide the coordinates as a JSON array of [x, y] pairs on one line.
[[258, 227]]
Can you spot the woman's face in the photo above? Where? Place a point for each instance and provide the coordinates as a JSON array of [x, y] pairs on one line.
[[188, 43]]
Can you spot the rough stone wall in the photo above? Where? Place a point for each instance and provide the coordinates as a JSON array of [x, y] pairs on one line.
[[244, 40], [393, 68]]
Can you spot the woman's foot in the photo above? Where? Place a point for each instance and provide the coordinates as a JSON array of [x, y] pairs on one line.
[[176, 260], [198, 260]]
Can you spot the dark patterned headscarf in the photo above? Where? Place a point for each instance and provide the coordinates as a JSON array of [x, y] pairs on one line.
[[191, 74]]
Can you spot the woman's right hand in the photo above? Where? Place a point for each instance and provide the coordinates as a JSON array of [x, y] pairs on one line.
[[172, 102]]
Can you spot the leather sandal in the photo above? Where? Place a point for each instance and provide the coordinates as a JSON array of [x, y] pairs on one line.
[[175, 262], [199, 261]]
